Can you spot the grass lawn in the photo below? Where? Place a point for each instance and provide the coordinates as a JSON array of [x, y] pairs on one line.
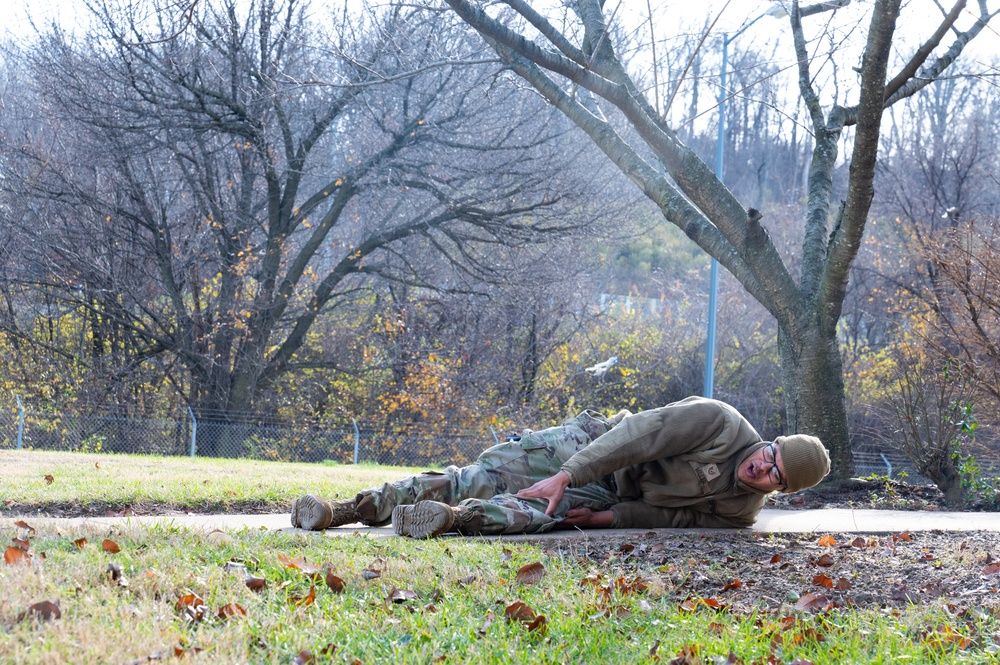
[[92, 484], [149, 594]]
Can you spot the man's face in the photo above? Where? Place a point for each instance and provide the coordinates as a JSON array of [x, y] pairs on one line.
[[764, 469]]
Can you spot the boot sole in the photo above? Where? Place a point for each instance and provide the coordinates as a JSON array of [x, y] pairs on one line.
[[311, 514], [424, 519]]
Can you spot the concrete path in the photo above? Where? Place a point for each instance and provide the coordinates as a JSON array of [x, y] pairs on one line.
[[841, 520]]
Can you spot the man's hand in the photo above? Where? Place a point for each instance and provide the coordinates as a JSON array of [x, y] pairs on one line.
[[552, 489], [585, 518]]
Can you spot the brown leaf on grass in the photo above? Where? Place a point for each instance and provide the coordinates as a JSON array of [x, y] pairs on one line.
[[466, 581], [110, 546], [306, 600], [692, 604], [506, 555], [188, 600], [826, 541], [941, 637], [257, 584], [335, 584], [49, 479], [80, 542], [23, 544], [687, 656], [24, 525], [231, 610], [97, 465], [43, 611], [801, 661], [531, 573], [180, 650], [299, 564], [992, 569], [13, 555], [776, 558], [369, 574], [813, 602], [399, 596], [652, 650], [858, 542], [635, 585], [904, 537], [518, 611], [191, 607], [843, 584]]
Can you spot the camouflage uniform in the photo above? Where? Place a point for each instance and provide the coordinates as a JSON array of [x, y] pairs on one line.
[[488, 486]]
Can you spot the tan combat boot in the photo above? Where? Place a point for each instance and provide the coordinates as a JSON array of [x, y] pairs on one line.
[[426, 519], [316, 513]]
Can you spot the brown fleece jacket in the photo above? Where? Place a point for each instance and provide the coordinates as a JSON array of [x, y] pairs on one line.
[[675, 466]]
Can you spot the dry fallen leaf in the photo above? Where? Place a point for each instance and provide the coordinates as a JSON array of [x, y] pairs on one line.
[[826, 541], [24, 525], [298, 564], [13, 555], [518, 611], [400, 595], [49, 480], [531, 573], [23, 544], [825, 560], [80, 542], [813, 602], [304, 601], [255, 583], [905, 537], [43, 611], [335, 583], [110, 546], [231, 610]]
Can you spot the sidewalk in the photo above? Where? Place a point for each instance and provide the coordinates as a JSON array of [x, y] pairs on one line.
[[840, 520]]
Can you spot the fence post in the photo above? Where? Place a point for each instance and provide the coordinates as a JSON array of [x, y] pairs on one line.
[[20, 422], [194, 431], [357, 440], [888, 465]]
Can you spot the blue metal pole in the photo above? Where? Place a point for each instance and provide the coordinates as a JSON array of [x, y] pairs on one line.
[[20, 422], [194, 431], [357, 440], [713, 282]]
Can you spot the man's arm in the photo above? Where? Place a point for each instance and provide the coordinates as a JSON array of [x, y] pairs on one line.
[[551, 489], [670, 430]]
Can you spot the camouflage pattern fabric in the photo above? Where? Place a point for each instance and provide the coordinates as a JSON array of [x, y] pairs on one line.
[[488, 486]]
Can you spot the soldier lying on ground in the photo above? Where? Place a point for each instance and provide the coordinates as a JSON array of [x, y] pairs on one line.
[[693, 463]]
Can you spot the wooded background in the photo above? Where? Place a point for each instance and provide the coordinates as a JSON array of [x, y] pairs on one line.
[[441, 215]]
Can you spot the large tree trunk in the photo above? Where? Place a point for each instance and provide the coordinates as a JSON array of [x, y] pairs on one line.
[[813, 384]]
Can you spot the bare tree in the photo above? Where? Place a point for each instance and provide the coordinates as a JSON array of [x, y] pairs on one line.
[[214, 187], [577, 58]]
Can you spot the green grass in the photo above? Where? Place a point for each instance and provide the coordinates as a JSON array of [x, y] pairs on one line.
[[462, 588], [86, 483]]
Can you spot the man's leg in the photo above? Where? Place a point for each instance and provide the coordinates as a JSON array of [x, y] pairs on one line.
[[504, 468], [503, 514]]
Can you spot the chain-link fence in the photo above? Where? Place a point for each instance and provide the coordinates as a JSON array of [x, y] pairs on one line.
[[266, 437], [239, 435]]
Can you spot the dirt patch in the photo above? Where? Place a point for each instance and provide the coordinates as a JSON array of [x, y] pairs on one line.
[[745, 570]]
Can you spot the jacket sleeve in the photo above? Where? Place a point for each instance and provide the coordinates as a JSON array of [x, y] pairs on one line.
[[643, 437], [639, 515]]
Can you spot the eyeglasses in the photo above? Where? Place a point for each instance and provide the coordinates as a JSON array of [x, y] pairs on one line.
[[774, 475]]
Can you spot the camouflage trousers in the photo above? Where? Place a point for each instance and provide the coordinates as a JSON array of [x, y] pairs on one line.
[[488, 486]]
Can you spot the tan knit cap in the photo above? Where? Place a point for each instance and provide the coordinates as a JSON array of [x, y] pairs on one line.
[[805, 460]]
